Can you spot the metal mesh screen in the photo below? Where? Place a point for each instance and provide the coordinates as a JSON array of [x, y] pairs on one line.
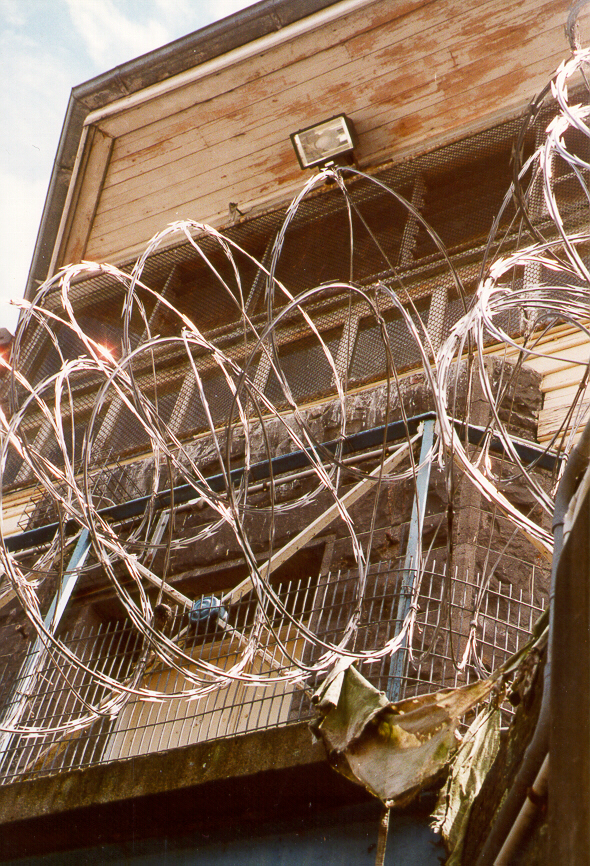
[[302, 362], [458, 190], [109, 485], [369, 358]]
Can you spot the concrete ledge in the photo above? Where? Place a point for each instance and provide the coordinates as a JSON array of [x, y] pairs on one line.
[[160, 772], [222, 786]]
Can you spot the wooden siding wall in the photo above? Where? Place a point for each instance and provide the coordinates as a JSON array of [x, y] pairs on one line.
[[411, 73], [567, 354]]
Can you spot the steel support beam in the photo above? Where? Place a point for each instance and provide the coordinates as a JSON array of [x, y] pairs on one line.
[[528, 451], [397, 667]]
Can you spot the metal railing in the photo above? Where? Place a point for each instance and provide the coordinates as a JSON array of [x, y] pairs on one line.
[[64, 691]]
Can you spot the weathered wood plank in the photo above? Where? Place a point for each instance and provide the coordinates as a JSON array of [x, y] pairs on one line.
[[498, 77], [558, 340], [247, 176], [181, 138], [407, 72], [415, 20], [550, 421], [86, 198], [568, 353], [455, 80], [565, 378], [261, 115], [568, 349], [413, 55], [556, 410], [177, 129], [221, 98], [248, 165], [202, 198], [563, 397], [303, 45]]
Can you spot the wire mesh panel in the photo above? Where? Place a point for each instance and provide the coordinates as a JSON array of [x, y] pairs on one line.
[[372, 237], [369, 358], [301, 362], [63, 691], [58, 693]]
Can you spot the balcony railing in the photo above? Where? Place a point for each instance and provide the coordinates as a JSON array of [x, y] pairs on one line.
[[63, 691]]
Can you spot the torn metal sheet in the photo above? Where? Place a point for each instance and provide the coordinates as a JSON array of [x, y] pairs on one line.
[[468, 769], [393, 750]]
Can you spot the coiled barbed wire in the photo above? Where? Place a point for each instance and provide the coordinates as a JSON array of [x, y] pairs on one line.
[[510, 283]]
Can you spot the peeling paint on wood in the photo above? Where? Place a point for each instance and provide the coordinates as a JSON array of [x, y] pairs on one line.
[[405, 73]]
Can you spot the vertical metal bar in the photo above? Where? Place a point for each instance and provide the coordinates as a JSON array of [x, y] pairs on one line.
[[398, 664], [26, 680]]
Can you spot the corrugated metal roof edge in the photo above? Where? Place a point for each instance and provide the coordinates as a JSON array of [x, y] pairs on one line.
[[254, 22]]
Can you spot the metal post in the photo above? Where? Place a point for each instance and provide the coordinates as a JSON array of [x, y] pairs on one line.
[[398, 663], [27, 677]]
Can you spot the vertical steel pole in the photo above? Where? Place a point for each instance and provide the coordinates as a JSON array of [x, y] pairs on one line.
[[397, 667], [27, 677]]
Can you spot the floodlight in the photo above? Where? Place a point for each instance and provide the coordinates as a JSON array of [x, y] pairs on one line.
[[324, 142]]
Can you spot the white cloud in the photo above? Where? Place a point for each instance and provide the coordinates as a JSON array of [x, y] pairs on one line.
[[184, 16], [19, 220], [114, 31], [111, 36], [180, 15], [33, 101], [34, 105], [12, 13], [223, 8]]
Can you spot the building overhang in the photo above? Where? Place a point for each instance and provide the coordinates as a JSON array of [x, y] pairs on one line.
[[227, 97], [109, 92]]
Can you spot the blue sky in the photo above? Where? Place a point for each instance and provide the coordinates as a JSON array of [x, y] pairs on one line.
[[46, 48]]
